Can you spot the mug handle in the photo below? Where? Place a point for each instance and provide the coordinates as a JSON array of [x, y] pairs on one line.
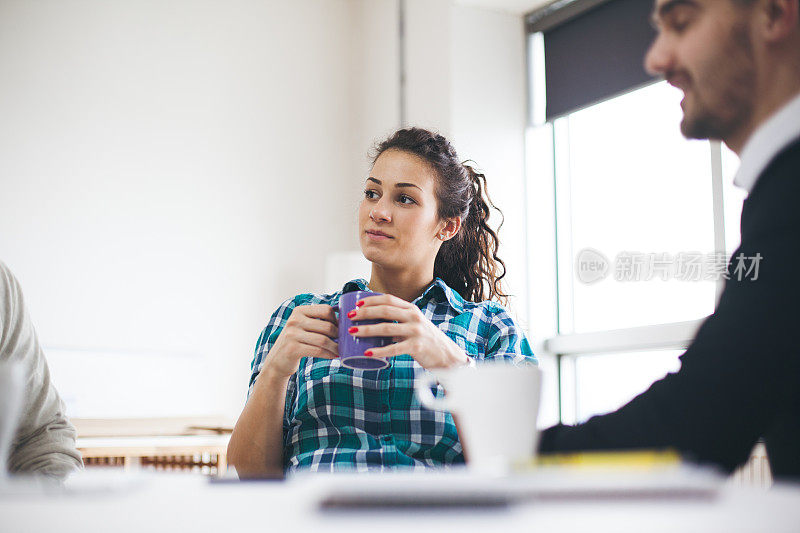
[[422, 386]]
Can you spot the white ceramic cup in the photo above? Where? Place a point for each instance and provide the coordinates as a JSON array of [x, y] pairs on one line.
[[495, 406], [12, 383]]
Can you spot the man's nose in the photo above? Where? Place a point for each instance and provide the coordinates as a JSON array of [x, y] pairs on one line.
[[658, 59]]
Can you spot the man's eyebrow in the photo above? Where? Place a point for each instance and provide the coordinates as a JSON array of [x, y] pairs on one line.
[[397, 185], [664, 9]]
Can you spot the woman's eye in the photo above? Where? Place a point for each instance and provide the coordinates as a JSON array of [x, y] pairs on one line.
[[369, 193], [404, 199]]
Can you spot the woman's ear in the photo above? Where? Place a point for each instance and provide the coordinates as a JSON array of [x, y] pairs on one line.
[[449, 229]]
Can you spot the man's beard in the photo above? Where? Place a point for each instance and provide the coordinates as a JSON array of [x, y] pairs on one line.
[[731, 93]]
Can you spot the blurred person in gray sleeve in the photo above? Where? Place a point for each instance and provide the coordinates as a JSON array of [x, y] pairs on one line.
[[44, 443]]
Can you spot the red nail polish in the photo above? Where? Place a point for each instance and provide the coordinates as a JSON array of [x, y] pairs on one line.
[[352, 330], [351, 314], [359, 303], [368, 353]]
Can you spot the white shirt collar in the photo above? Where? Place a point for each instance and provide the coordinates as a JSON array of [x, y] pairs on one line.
[[769, 140]]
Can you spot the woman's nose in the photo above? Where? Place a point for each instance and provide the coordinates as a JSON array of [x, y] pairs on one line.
[[380, 214]]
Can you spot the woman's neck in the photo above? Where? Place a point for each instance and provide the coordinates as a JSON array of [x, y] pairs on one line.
[[403, 284]]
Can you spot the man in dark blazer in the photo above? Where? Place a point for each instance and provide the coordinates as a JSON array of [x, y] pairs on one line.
[[738, 63]]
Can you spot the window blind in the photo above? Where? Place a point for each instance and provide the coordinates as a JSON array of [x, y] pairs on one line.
[[593, 50]]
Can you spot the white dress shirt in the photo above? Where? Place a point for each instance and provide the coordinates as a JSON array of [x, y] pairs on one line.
[[769, 140]]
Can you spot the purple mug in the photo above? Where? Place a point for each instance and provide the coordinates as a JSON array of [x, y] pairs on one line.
[[351, 349]]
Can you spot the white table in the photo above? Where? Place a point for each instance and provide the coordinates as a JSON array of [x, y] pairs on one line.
[[174, 503]]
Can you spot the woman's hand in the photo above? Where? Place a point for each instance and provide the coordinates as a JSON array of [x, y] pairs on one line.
[[413, 333], [309, 332]]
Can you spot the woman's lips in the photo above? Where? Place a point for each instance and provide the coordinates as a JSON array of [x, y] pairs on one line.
[[377, 236]]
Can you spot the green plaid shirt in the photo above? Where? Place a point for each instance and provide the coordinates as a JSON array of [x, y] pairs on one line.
[[337, 418]]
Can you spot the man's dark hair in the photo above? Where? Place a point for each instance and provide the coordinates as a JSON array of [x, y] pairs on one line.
[[746, 2]]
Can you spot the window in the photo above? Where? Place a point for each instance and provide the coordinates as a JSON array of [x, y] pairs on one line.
[[629, 226], [605, 382], [638, 194]]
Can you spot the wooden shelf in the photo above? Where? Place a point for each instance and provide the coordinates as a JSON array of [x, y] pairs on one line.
[[196, 443]]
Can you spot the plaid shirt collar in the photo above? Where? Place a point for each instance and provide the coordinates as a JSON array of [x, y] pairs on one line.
[[438, 290]]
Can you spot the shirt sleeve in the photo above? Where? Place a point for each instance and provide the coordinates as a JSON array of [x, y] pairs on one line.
[[45, 439], [264, 344], [507, 340], [267, 338]]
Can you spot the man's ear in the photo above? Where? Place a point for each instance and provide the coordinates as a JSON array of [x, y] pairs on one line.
[[450, 228], [781, 19]]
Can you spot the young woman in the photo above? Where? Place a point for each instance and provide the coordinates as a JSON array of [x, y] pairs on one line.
[[423, 226]]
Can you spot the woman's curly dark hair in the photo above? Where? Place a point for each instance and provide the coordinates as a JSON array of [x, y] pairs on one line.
[[468, 262]]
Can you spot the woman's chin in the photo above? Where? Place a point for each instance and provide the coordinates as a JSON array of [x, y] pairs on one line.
[[377, 258], [370, 254]]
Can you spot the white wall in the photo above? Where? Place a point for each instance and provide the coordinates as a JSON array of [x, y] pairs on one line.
[[429, 64], [375, 77], [466, 78], [488, 124], [171, 170], [163, 166]]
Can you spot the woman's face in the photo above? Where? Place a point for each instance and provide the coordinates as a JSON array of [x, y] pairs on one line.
[[398, 221]]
